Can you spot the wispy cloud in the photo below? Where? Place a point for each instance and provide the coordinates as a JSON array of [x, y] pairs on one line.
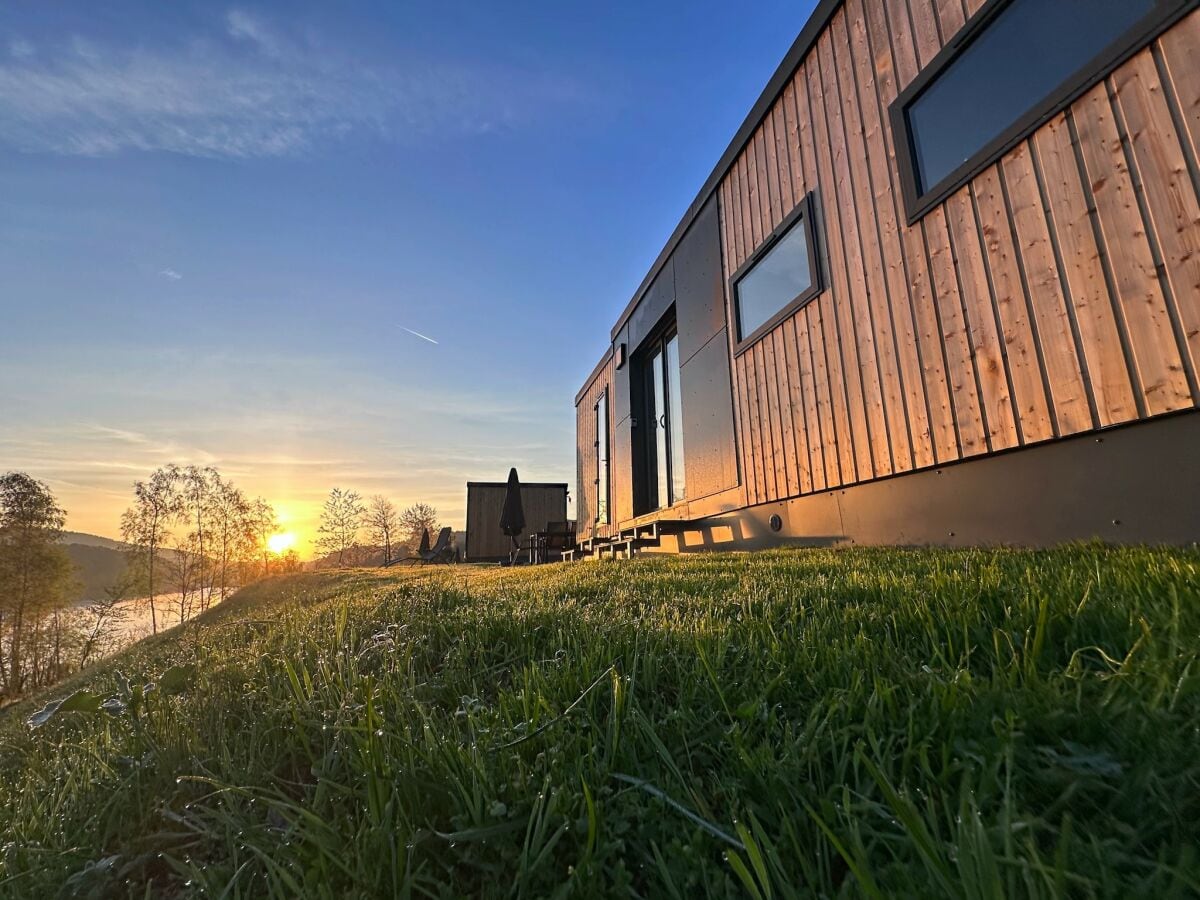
[[144, 445], [19, 48], [249, 89], [244, 26], [171, 274]]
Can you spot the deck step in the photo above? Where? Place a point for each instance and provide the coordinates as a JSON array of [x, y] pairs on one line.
[[625, 544], [625, 548], [629, 540]]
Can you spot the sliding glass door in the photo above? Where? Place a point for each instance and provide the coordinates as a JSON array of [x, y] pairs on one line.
[[664, 446]]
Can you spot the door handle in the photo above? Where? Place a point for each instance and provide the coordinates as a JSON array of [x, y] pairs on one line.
[[662, 421]]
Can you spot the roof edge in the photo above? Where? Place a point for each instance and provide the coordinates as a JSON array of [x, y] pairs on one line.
[[587, 382], [804, 42], [524, 484]]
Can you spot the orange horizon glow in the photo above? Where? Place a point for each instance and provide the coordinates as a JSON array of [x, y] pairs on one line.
[[296, 505]]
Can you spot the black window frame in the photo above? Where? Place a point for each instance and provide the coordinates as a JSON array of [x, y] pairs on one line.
[[603, 458], [917, 204], [805, 213]]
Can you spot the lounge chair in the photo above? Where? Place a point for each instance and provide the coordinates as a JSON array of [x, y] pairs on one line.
[[440, 552]]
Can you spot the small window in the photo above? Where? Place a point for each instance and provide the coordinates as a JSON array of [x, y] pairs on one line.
[[779, 277], [1018, 62], [602, 459]]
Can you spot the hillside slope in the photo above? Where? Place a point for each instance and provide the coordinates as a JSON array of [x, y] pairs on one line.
[[859, 723]]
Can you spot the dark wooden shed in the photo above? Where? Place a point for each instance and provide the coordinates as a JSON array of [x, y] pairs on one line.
[[543, 503], [942, 287]]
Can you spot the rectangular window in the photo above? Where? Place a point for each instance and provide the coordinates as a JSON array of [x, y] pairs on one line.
[[779, 277], [1017, 63], [602, 459]]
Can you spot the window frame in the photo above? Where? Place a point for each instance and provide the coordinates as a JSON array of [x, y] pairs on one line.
[[602, 460], [917, 204], [803, 212]]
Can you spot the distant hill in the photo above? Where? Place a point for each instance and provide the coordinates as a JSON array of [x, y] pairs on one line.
[[96, 568], [99, 562], [90, 540]]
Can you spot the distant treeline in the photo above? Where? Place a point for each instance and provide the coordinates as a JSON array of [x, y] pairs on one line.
[[391, 534]]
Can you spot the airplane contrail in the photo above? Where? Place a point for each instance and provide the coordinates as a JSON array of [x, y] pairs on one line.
[[423, 337]]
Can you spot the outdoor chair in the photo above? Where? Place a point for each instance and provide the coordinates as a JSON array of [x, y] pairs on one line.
[[440, 552], [558, 538]]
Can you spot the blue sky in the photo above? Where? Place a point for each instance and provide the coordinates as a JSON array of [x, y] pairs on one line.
[[216, 223]]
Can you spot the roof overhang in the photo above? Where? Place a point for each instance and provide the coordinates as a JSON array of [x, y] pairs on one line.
[[800, 48]]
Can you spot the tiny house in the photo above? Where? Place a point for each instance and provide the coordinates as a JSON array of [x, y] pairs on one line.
[[543, 503], [943, 287]]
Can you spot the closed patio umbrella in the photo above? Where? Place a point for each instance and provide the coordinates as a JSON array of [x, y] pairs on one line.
[[512, 515]]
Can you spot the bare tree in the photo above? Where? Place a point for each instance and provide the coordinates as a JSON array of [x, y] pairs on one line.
[[208, 528], [184, 569], [415, 520], [341, 519], [263, 523], [383, 524], [105, 619], [233, 534], [146, 525], [199, 490]]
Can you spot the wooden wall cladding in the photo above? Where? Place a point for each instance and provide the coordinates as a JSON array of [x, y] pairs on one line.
[[585, 452], [542, 504], [1056, 293]]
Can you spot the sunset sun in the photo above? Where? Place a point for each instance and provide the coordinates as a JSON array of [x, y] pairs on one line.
[[281, 543]]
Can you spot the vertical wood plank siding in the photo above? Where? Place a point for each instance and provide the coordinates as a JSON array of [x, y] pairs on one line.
[[1057, 292], [542, 504], [586, 453]]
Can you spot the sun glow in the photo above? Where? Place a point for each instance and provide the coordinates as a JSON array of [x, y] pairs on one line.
[[281, 543]]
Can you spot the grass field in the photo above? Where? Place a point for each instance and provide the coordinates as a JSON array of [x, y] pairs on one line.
[[975, 724]]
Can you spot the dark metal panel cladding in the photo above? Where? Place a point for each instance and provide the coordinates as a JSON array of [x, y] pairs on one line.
[[699, 289], [711, 460], [1106, 485], [653, 307], [621, 398], [622, 470]]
